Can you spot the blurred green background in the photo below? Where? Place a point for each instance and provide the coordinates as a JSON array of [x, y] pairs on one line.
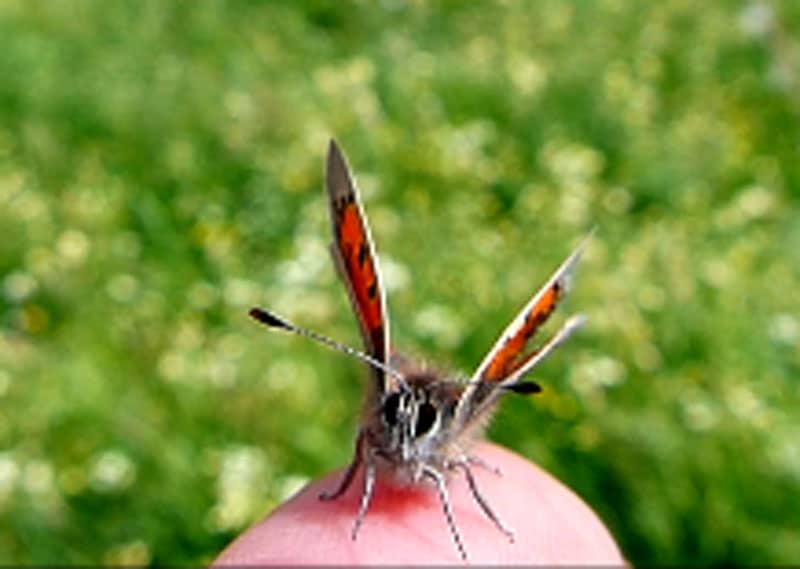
[[161, 172]]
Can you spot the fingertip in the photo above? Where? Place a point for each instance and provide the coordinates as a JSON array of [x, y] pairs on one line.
[[406, 525], [552, 524]]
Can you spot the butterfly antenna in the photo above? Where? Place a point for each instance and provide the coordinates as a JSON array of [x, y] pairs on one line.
[[274, 321]]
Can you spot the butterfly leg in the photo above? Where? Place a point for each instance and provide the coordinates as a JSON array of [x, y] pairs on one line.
[[478, 461], [441, 487], [473, 486], [366, 496], [349, 474]]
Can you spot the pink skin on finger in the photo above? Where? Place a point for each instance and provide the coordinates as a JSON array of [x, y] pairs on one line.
[[551, 524]]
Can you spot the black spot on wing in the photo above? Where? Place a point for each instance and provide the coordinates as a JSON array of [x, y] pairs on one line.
[[342, 201], [363, 251]]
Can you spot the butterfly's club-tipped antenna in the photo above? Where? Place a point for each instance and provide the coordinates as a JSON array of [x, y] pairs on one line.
[[524, 388], [272, 320]]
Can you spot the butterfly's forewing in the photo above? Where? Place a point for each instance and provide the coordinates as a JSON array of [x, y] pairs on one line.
[[354, 255], [508, 360]]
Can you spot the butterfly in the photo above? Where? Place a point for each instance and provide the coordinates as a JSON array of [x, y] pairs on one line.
[[417, 423]]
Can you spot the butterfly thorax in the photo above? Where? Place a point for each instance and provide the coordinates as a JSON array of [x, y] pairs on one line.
[[412, 425]]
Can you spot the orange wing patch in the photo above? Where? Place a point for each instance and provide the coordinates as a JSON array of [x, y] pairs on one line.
[[358, 263], [510, 356], [354, 255]]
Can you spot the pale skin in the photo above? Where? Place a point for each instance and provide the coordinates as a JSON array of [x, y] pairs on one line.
[[551, 524]]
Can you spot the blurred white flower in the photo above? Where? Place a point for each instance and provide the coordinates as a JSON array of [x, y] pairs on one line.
[[18, 286], [112, 471]]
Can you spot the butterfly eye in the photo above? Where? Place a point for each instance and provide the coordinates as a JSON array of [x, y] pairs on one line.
[[390, 406], [426, 417]]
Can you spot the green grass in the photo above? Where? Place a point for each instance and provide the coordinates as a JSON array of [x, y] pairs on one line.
[[160, 171]]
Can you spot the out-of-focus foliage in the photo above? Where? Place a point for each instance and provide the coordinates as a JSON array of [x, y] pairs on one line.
[[160, 172]]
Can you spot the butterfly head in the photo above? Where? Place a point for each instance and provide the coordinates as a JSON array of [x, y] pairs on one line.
[[414, 418]]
